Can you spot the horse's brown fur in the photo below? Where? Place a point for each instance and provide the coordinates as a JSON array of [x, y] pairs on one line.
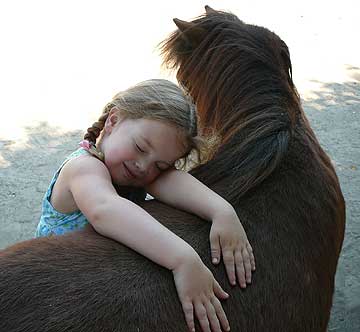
[[269, 165]]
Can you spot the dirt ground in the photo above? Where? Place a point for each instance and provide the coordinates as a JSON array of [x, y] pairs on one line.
[[333, 108]]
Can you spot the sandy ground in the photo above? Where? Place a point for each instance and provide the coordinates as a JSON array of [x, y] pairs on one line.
[[326, 61]]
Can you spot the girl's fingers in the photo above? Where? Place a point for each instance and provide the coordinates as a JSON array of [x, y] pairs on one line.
[[220, 313], [219, 292], [215, 248], [202, 316], [247, 265], [228, 257], [251, 255], [214, 321], [189, 315], [240, 271]]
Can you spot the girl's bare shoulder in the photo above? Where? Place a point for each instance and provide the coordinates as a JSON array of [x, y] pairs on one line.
[[85, 165]]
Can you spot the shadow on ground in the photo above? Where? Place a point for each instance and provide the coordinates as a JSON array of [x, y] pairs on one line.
[[25, 172], [334, 114]]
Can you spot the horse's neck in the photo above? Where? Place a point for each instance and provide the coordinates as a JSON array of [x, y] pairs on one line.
[[229, 169]]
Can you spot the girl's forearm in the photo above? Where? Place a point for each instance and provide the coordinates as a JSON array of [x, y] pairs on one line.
[[129, 224], [182, 190]]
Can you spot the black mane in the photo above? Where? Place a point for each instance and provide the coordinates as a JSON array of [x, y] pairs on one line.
[[253, 106]]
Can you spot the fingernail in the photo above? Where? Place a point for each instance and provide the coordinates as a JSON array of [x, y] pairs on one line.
[[215, 260]]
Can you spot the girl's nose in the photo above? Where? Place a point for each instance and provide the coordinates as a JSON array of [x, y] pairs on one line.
[[142, 167]]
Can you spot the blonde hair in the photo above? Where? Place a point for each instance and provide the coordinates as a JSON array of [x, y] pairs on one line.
[[162, 100]]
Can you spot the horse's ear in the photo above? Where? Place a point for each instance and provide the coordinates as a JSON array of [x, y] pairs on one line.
[[190, 32], [183, 25], [209, 10]]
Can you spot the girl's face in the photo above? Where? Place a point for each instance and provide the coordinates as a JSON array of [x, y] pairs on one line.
[[138, 150]]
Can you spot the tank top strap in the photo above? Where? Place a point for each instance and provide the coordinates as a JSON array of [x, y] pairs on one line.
[[79, 152]]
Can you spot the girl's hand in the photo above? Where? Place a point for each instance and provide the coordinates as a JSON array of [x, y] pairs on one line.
[[198, 291], [228, 238]]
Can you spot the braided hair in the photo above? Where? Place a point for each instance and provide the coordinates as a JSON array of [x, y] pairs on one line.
[[94, 131]]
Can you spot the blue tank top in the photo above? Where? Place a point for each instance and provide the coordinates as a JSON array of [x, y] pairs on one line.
[[53, 222]]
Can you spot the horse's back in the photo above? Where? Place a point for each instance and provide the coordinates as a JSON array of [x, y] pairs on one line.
[[83, 281]]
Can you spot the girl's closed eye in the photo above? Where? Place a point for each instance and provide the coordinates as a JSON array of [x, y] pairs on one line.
[[139, 148]]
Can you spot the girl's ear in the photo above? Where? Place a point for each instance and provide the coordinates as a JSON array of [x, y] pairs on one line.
[[112, 120]]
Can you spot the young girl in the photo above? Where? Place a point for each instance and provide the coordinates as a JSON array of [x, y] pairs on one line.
[[140, 136]]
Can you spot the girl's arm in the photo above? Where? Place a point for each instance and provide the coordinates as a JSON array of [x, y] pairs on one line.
[[120, 219], [182, 190], [227, 236]]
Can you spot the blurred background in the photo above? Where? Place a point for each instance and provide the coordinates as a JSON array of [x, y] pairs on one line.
[[62, 61]]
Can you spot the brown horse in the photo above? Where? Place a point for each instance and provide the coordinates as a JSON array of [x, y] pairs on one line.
[[268, 164]]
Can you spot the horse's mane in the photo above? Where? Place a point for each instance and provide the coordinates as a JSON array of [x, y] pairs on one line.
[[254, 105]]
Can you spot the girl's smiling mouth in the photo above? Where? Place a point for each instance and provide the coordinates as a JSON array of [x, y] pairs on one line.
[[128, 173]]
